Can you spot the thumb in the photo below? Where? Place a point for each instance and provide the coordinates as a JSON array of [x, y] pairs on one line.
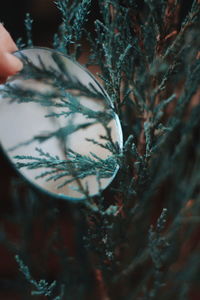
[[9, 65]]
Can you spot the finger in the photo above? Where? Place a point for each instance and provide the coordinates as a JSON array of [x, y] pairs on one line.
[[9, 65], [6, 42]]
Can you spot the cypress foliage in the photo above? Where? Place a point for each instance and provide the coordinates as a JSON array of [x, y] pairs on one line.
[[139, 239]]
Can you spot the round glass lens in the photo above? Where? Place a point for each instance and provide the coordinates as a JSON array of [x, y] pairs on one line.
[[58, 126]]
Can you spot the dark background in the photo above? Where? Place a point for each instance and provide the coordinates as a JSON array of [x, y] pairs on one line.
[[47, 17], [44, 12]]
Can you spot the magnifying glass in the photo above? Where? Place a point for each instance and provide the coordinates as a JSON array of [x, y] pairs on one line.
[[58, 126]]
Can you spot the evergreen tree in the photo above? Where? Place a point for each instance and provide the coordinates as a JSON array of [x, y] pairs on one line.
[[138, 239]]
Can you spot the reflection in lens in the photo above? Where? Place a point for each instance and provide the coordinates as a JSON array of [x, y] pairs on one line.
[[57, 125]]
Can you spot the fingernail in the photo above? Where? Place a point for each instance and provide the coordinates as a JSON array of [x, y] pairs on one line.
[[15, 64]]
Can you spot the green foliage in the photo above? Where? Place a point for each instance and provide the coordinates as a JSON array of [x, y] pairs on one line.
[[148, 60], [28, 25], [41, 287], [157, 249], [80, 166], [74, 16]]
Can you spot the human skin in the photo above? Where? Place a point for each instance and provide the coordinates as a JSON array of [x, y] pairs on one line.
[[9, 64]]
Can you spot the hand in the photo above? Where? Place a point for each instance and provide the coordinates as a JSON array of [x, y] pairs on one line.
[[9, 64]]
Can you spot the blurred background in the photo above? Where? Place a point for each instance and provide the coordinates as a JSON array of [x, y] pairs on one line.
[[46, 21], [44, 12], [47, 18]]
